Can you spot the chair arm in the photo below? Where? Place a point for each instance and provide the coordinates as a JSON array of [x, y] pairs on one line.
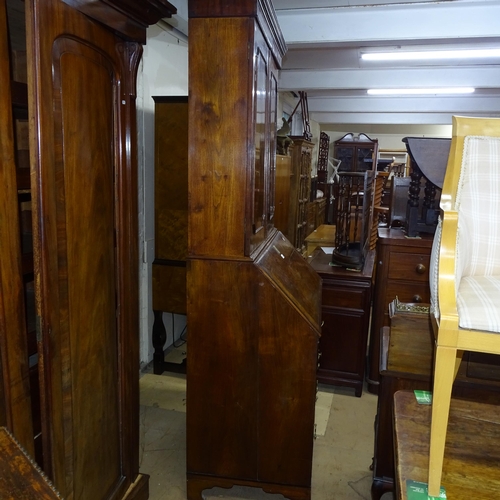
[[447, 277]]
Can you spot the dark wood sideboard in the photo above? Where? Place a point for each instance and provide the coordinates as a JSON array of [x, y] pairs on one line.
[[406, 364], [345, 306]]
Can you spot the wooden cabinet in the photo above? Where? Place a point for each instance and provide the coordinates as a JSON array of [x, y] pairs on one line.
[[82, 61], [346, 298], [402, 271], [283, 176], [356, 153], [406, 363], [253, 305], [171, 216], [300, 189]]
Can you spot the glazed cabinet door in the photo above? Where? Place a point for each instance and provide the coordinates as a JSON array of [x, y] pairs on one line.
[[265, 108], [82, 104]]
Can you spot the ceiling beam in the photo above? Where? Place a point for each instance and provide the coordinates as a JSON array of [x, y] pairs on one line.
[[484, 77], [413, 21], [426, 104], [390, 118]]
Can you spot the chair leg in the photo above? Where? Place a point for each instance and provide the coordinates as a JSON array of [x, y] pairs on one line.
[[446, 365]]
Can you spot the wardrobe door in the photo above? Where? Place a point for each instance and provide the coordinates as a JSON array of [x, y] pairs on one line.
[[82, 107]]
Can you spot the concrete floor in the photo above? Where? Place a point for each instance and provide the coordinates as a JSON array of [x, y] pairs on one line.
[[343, 448]]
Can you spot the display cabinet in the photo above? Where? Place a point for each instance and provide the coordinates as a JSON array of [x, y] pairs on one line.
[[82, 61], [253, 304], [283, 177], [300, 188], [357, 153]]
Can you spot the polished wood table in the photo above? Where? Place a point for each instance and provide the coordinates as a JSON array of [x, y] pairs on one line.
[[323, 236], [472, 455]]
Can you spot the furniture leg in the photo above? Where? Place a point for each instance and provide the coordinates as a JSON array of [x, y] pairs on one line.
[[446, 357], [159, 339]]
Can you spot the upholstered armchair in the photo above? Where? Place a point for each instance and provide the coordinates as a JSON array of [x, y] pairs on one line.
[[465, 267]]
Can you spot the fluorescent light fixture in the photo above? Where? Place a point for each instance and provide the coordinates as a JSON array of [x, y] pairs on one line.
[[426, 91], [430, 54]]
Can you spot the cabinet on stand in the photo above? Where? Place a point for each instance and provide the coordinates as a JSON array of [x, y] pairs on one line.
[[253, 305], [300, 192], [171, 219]]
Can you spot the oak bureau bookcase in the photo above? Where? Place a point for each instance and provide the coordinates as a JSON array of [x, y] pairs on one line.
[[253, 302]]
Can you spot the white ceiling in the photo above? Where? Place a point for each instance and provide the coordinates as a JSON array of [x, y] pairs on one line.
[[325, 38]]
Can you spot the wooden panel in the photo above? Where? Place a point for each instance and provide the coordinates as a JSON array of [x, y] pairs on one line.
[[225, 176], [169, 288], [250, 386], [85, 219], [340, 341], [171, 190], [89, 326]]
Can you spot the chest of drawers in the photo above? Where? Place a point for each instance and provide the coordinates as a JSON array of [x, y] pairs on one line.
[[402, 271]]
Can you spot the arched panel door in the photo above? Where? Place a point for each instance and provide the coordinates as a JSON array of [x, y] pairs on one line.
[[83, 154]]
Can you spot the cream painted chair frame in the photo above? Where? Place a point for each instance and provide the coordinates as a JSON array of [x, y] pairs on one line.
[[452, 341]]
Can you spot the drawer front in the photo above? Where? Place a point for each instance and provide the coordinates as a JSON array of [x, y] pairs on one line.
[[340, 296], [408, 292], [409, 266]]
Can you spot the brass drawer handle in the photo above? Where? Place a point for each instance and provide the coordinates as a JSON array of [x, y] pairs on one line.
[[417, 298], [420, 269]]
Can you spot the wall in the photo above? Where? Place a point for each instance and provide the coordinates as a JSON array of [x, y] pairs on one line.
[[163, 71]]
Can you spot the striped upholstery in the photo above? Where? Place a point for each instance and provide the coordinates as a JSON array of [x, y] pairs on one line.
[[433, 269], [477, 274], [478, 303]]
